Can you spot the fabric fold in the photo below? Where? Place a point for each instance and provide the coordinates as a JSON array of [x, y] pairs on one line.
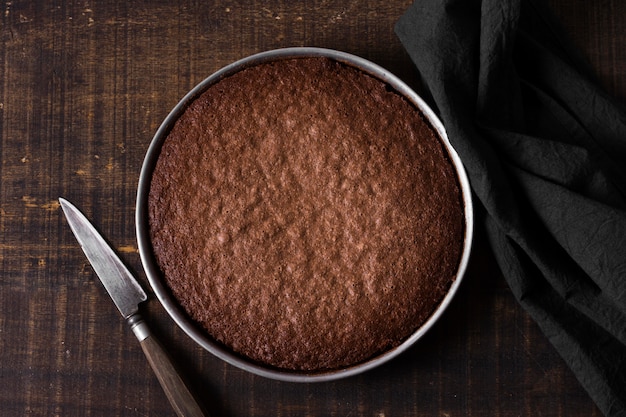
[[545, 151]]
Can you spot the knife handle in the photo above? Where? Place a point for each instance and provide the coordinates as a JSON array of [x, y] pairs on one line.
[[177, 392]]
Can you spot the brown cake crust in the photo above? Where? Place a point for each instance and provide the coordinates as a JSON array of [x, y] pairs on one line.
[[305, 215]]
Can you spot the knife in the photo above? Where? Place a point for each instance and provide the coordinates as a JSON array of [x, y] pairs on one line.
[[127, 294]]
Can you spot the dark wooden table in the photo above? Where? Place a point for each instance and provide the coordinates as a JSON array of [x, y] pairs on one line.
[[84, 86]]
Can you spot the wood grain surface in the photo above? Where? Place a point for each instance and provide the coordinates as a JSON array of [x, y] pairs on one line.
[[83, 87]]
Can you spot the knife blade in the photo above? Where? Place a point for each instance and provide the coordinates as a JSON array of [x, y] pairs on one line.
[[127, 294], [119, 283]]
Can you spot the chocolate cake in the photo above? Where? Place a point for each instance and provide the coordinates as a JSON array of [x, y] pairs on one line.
[[305, 214]]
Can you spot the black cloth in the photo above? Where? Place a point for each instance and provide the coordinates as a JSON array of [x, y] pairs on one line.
[[545, 151]]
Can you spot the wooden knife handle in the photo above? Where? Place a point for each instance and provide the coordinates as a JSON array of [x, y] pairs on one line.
[[176, 390]]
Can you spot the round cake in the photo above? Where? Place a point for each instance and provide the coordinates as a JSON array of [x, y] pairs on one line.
[[305, 214]]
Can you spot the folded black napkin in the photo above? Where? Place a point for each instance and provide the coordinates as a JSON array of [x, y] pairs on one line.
[[545, 150]]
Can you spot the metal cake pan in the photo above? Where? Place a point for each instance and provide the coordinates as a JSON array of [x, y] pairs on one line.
[[155, 276]]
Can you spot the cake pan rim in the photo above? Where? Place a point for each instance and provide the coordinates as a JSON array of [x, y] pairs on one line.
[[154, 274]]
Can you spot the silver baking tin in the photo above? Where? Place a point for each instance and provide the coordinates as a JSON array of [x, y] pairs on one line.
[[154, 274]]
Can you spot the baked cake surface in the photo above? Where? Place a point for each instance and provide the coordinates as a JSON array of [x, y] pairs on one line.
[[305, 215]]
